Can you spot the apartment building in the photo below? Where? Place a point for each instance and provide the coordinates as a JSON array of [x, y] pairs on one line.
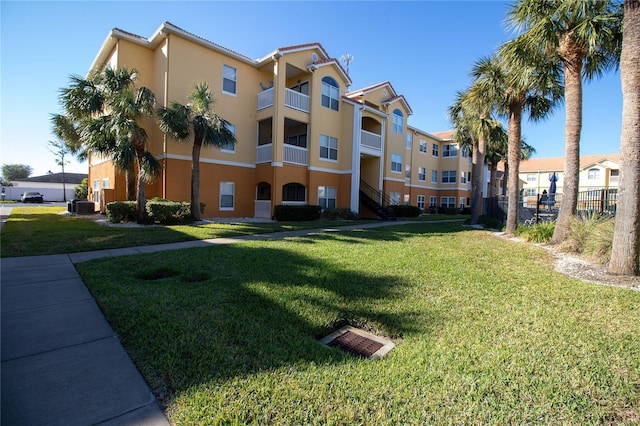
[[302, 138], [597, 172]]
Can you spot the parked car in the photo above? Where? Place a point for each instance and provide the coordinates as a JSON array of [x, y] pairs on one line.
[[32, 197]]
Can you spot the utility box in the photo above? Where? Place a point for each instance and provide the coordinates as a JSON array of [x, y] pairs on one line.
[[85, 207]]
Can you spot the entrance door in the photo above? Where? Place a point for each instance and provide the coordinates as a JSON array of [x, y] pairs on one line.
[[263, 200]]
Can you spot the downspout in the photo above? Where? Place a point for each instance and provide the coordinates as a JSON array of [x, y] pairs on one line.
[[355, 160]]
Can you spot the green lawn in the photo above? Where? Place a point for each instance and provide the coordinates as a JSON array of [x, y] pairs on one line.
[[485, 332]]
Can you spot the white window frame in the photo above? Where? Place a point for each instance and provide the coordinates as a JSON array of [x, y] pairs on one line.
[[420, 202], [435, 150], [531, 177], [396, 163], [329, 145], [448, 202], [96, 190], [398, 121], [463, 177], [409, 140], [331, 93], [447, 175], [407, 171], [394, 198], [225, 147], [105, 183], [326, 196], [422, 174], [449, 150], [433, 201], [463, 201], [227, 189], [230, 73], [423, 146], [593, 173], [434, 176]]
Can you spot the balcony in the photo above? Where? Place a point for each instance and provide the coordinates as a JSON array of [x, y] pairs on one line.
[[263, 153], [296, 155], [371, 140], [292, 99]]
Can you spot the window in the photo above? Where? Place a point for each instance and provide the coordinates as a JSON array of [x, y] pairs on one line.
[[297, 140], [409, 140], [465, 151], [615, 173], [328, 148], [407, 199], [422, 174], [434, 150], [229, 147], [463, 202], [448, 202], [423, 146], [450, 150], [96, 190], [229, 81], [449, 176], [529, 192], [421, 202], [396, 163], [327, 197], [463, 177], [395, 198], [407, 171], [330, 93], [532, 178], [593, 174], [226, 195], [105, 183], [468, 176], [294, 192], [398, 121], [433, 201], [301, 88], [434, 176]]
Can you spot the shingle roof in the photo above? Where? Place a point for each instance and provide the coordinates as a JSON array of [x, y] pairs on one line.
[[73, 178], [446, 135], [556, 164]]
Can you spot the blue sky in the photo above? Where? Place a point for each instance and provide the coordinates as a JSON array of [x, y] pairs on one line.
[[424, 48]]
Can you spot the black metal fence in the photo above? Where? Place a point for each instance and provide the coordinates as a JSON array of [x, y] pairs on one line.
[[601, 201]]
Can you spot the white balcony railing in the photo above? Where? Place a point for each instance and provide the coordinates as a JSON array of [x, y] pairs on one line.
[[371, 140], [265, 99], [296, 100], [296, 155], [263, 153]]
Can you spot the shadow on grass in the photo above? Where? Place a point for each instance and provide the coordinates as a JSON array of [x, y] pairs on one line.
[[192, 316]]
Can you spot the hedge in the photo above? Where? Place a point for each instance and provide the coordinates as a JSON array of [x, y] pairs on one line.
[[297, 213], [158, 211], [400, 210]]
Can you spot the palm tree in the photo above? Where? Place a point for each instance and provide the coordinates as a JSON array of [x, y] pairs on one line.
[[104, 111], [472, 120], [519, 80], [584, 37], [626, 239], [208, 128]]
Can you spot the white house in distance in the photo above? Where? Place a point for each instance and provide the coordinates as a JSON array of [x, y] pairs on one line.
[[49, 185]]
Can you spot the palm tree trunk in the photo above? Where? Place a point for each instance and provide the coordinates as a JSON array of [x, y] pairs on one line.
[[479, 151], [130, 176], [141, 200], [195, 180], [626, 238], [515, 151], [573, 126], [493, 172]]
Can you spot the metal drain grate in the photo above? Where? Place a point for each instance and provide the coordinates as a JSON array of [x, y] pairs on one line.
[[356, 344]]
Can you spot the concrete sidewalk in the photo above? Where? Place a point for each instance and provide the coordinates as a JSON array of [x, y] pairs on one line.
[[62, 363]]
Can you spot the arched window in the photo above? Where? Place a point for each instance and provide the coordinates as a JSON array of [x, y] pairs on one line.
[[330, 93], [398, 121], [294, 192], [593, 174], [263, 191]]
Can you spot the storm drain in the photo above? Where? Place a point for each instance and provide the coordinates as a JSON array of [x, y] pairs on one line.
[[358, 342]]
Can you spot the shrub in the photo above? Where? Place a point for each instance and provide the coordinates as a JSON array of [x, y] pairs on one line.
[[82, 190], [447, 210], [168, 212], [297, 213], [405, 210], [121, 211], [538, 233], [339, 213], [591, 235]]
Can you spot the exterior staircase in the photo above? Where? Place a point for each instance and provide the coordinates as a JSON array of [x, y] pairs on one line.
[[369, 196]]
